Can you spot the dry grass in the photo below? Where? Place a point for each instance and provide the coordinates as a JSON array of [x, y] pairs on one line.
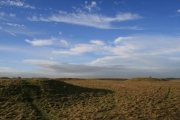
[[90, 99]]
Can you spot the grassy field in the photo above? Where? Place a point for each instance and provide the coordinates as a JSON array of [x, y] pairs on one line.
[[89, 99]]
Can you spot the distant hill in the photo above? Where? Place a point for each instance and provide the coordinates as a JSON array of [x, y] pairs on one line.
[[147, 79]]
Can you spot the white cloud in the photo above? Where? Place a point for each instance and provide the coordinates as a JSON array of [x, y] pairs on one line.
[[92, 7], [40, 42], [178, 10], [125, 17], [88, 19], [16, 3], [97, 42], [119, 39], [99, 47], [15, 25], [144, 52], [130, 56], [82, 48], [93, 46], [64, 42], [78, 49], [135, 51], [46, 42]]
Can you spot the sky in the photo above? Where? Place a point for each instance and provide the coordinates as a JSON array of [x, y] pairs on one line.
[[90, 39]]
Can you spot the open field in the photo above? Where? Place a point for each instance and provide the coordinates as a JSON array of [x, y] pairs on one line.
[[89, 99]]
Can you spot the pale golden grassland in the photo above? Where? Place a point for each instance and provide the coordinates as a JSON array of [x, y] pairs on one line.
[[89, 99]]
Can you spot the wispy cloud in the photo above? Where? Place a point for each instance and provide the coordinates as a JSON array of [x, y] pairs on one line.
[[15, 25], [134, 51], [78, 49], [97, 42], [48, 42], [64, 42], [136, 56], [119, 39], [7, 31], [16, 3], [91, 7], [88, 16], [15, 30], [5, 16], [178, 10], [40, 42], [142, 52], [89, 19], [93, 46], [99, 47]]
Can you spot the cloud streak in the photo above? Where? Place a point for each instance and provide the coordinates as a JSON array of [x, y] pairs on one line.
[[89, 19], [47, 42], [40, 42], [16, 3], [15, 25], [7, 31]]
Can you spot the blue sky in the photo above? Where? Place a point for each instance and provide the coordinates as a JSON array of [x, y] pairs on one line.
[[90, 39]]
